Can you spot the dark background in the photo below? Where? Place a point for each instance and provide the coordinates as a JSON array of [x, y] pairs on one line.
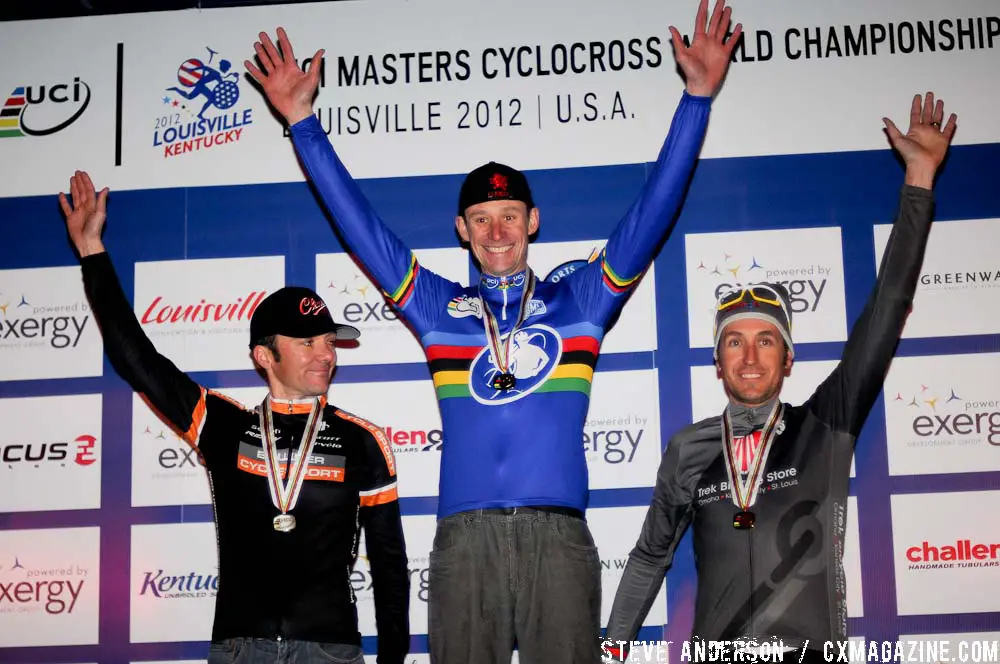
[[21, 10]]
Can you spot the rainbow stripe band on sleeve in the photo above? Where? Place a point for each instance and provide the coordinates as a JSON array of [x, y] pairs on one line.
[[402, 294], [615, 283]]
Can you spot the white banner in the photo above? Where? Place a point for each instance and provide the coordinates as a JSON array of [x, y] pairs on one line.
[[51, 581], [959, 288], [600, 89], [52, 448], [46, 328], [942, 414], [807, 261], [946, 550]]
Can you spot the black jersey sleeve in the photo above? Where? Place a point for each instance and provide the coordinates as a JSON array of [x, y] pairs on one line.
[[168, 390], [383, 526], [668, 517], [846, 397]]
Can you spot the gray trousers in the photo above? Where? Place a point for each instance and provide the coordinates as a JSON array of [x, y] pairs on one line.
[[285, 651], [530, 578]]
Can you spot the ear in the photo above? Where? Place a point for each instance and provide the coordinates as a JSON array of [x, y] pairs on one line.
[[263, 356], [463, 230], [534, 220], [789, 361]]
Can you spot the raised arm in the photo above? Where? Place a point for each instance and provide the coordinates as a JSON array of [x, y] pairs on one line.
[[638, 236], [290, 90], [178, 398], [845, 398]]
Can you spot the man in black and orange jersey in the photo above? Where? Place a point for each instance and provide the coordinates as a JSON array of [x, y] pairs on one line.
[[293, 479]]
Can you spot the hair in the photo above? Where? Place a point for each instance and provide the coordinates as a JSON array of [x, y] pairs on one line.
[[270, 343]]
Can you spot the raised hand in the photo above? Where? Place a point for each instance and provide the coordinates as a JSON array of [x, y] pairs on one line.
[[706, 60], [85, 217], [924, 145], [288, 88]]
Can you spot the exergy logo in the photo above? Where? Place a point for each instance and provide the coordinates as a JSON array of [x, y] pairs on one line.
[[44, 109], [805, 285], [202, 86], [27, 324], [80, 451], [418, 571], [27, 589], [614, 439], [943, 417], [360, 303]]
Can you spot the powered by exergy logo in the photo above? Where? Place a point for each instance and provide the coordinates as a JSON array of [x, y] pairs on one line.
[[25, 588], [25, 323]]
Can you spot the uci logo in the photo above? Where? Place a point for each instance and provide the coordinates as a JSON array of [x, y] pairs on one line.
[[534, 354]]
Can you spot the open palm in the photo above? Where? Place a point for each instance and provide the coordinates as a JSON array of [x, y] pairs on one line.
[[926, 142], [707, 59], [288, 88]]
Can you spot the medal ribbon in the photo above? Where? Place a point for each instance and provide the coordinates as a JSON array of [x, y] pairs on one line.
[[501, 351], [744, 493], [285, 494]]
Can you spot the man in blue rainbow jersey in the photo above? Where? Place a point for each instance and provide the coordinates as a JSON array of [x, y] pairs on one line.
[[512, 360]]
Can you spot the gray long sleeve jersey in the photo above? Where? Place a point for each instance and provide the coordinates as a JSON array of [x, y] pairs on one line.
[[784, 578]]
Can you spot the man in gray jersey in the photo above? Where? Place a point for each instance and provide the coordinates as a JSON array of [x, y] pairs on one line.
[[769, 553]]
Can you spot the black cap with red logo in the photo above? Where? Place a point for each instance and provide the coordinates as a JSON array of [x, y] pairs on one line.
[[297, 312], [494, 182]]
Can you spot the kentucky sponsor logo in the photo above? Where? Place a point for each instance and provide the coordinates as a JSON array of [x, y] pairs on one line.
[[186, 585], [534, 355], [414, 440], [43, 109], [201, 110]]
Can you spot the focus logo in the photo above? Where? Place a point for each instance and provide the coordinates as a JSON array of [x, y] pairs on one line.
[[201, 86], [24, 324], [55, 591], [37, 454], [40, 110]]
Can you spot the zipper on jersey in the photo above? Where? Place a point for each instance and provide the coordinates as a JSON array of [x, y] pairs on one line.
[[752, 587], [504, 287]]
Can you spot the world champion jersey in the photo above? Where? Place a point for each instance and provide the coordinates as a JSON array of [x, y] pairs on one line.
[[296, 584], [523, 446], [783, 579]]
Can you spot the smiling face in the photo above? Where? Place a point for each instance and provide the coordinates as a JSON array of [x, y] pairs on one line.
[[498, 233], [301, 367], [753, 361]]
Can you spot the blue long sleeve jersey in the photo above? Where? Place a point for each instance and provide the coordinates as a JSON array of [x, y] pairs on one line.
[[524, 446]]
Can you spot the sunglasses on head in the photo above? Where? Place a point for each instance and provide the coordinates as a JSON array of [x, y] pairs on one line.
[[758, 293]]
